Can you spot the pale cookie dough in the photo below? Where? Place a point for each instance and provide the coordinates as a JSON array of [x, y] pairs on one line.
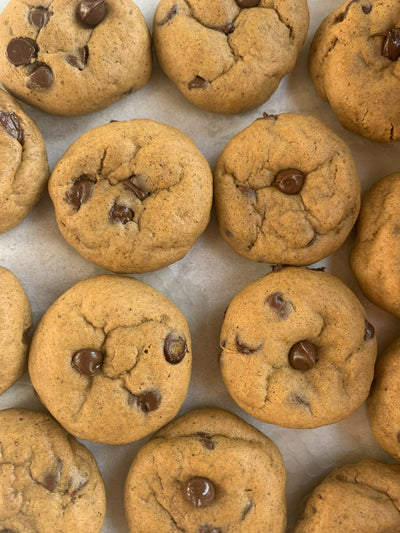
[[23, 163], [286, 190], [297, 349], [354, 65], [132, 196], [383, 405], [15, 323], [374, 259], [207, 472], [111, 359], [229, 56], [357, 498], [49, 482], [71, 57]]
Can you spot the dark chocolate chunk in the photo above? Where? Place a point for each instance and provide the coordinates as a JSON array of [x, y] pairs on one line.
[[205, 528], [281, 307], [41, 77], [121, 213], [247, 3], [247, 191], [39, 16], [52, 479], [289, 181], [21, 51], [391, 43], [244, 348], [80, 192], [197, 83], [246, 509], [132, 185], [367, 9], [206, 440], [92, 12], [369, 331], [175, 349], [12, 125], [199, 491], [170, 15], [87, 361], [303, 355], [147, 401], [80, 60]]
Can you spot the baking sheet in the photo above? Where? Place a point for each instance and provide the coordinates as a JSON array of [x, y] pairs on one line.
[[203, 283]]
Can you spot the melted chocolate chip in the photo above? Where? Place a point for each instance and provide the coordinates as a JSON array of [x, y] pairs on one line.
[[205, 440], [199, 491], [87, 361], [92, 12], [132, 185], [247, 191], [52, 479], [303, 355], [391, 43], [170, 15], [289, 181], [197, 83], [21, 51], [80, 192], [205, 528], [39, 16], [147, 401], [247, 3], [175, 349], [121, 213], [12, 125], [41, 77], [281, 307], [369, 331], [244, 348], [246, 510], [80, 60]]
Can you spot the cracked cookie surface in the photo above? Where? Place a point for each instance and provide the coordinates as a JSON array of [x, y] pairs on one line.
[[15, 322], [48, 480], [111, 359], [23, 159], [358, 497], [297, 349], [64, 58], [354, 65], [286, 190], [374, 259], [207, 472], [235, 53], [132, 196]]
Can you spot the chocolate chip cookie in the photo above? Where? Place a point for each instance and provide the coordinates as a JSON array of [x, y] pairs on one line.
[[297, 349], [15, 322], [374, 259], [286, 190], [23, 160], [48, 480], [71, 57], [111, 359], [354, 65], [235, 53], [207, 472], [132, 196], [353, 498]]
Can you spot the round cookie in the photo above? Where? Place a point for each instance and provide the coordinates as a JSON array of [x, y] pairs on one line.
[[15, 321], [297, 349], [23, 160], [132, 196], [353, 498], [354, 65], [111, 359], [71, 57], [207, 472], [235, 52], [48, 480], [383, 407], [374, 259], [286, 190]]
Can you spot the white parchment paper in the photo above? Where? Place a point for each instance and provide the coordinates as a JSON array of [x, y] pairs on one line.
[[203, 283]]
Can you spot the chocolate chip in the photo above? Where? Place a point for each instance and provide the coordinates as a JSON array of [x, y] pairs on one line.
[[132, 185], [175, 349], [303, 355], [170, 15], [92, 12], [281, 307], [205, 528], [79, 61], [121, 213], [276, 268], [267, 116], [246, 509], [21, 51], [12, 125], [227, 29], [367, 9], [147, 401], [41, 77], [80, 192], [52, 479], [369, 331], [247, 3], [87, 361], [199, 491], [247, 191], [205, 440], [197, 83], [391, 43], [289, 181], [244, 348], [39, 16]]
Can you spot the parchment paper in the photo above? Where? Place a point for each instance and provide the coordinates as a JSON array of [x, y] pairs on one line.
[[203, 283]]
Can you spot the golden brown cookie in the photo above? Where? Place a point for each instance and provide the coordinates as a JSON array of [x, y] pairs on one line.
[[229, 56], [48, 481], [111, 359], [207, 472], [362, 497], [23, 160], [286, 190], [15, 321], [71, 57], [297, 349], [132, 196]]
